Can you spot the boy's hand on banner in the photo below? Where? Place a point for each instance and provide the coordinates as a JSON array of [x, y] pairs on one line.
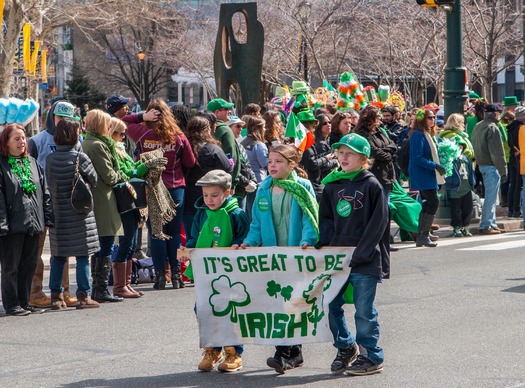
[[183, 255]]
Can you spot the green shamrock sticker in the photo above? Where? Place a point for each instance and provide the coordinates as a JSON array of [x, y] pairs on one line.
[[344, 208], [263, 204], [226, 297]]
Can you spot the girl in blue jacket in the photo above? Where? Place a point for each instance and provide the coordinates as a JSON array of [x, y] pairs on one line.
[[284, 213]]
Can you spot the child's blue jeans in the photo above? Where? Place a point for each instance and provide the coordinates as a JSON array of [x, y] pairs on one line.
[[366, 322]]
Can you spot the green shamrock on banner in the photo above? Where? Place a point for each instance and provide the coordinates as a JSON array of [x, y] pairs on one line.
[[275, 288], [226, 297]]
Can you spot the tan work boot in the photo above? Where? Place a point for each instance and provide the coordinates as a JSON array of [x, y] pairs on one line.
[[42, 302], [232, 362], [84, 301], [70, 300], [210, 359]]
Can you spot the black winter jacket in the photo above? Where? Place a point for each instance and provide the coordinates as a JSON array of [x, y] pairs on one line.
[[317, 166], [209, 157], [21, 212], [383, 152], [74, 234], [513, 130], [363, 225]]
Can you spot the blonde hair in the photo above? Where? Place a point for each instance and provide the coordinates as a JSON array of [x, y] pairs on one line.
[[455, 121], [97, 121], [116, 125]]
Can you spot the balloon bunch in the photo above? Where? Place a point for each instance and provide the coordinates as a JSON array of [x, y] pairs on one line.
[[448, 151], [350, 93], [14, 110]]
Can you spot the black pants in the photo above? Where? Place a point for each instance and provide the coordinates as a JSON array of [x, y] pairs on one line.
[[461, 210], [514, 193], [18, 258], [429, 201]]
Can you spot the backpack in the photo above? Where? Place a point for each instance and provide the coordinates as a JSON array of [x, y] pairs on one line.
[[403, 156], [143, 271]]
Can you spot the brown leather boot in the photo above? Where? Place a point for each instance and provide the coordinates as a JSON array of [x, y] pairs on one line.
[[70, 300], [57, 301], [119, 282], [129, 268], [84, 301]]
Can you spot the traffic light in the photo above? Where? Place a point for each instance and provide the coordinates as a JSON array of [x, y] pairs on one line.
[[435, 3]]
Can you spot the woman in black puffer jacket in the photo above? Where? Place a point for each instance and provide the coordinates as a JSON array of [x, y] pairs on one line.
[[74, 234]]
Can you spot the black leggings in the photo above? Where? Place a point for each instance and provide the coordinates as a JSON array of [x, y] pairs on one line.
[[429, 201]]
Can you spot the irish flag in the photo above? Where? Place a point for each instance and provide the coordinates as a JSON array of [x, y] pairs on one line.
[[296, 130]]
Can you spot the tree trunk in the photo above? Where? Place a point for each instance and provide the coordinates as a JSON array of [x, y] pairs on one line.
[[14, 17]]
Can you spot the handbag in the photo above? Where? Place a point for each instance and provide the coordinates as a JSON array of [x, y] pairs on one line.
[[81, 197], [125, 195], [140, 189]]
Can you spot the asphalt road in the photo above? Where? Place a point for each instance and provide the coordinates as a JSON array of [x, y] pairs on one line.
[[453, 316]]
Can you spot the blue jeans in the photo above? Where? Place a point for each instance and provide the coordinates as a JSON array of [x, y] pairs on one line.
[[106, 246], [491, 181], [366, 322], [162, 250], [128, 242], [82, 270]]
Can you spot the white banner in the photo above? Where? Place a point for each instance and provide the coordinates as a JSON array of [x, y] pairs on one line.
[[268, 295]]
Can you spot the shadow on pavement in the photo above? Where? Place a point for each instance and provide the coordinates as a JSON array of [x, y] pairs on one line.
[[256, 378], [518, 289]]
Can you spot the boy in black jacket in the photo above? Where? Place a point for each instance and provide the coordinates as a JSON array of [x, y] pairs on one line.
[[354, 212]]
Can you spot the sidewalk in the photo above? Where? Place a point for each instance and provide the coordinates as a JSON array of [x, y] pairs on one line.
[[445, 229]]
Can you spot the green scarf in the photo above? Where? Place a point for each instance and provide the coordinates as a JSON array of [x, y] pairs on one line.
[[216, 231], [335, 176], [302, 196], [110, 143]]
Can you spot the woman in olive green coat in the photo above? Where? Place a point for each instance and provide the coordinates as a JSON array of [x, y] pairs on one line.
[[101, 150]]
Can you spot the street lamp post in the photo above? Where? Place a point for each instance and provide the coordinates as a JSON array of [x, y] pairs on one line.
[[141, 56], [455, 94], [303, 10]]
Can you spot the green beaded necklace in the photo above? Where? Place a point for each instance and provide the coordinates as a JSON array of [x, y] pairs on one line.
[[22, 172]]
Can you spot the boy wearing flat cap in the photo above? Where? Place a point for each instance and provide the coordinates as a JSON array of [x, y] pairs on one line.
[[219, 222]]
